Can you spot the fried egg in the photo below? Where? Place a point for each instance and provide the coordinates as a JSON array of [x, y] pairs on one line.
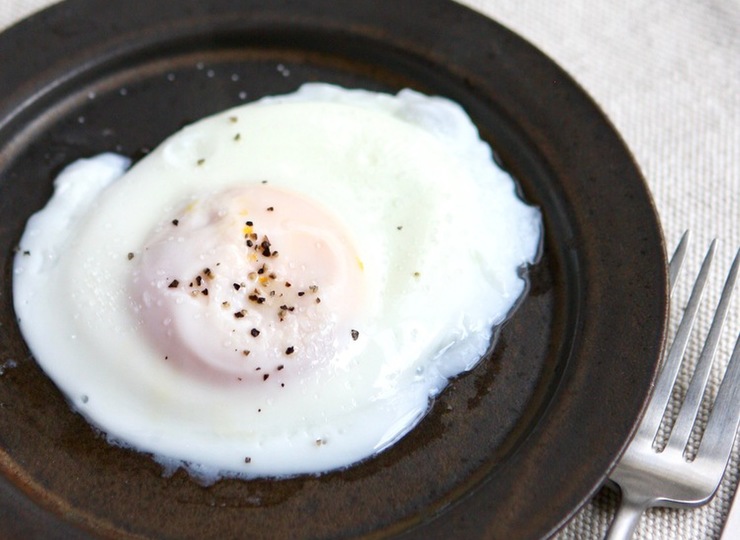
[[278, 289]]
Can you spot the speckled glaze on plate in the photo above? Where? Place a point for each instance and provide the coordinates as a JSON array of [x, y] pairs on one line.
[[510, 450]]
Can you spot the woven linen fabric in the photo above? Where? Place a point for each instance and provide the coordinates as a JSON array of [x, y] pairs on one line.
[[667, 74]]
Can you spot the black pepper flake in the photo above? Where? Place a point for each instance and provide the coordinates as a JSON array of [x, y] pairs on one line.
[[261, 270], [198, 281], [175, 222], [204, 292], [245, 352], [254, 332], [355, 334], [265, 376], [265, 245], [250, 243], [313, 288], [287, 284], [301, 293], [129, 256], [399, 227], [237, 286], [280, 367], [249, 223], [208, 273], [290, 350], [239, 314], [173, 284], [270, 208], [282, 385], [318, 300], [247, 459], [264, 181]]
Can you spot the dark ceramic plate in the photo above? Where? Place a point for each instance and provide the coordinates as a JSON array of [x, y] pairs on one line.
[[510, 450]]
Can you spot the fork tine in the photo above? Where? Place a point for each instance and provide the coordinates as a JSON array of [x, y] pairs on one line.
[[666, 379], [686, 417], [677, 260], [725, 416]]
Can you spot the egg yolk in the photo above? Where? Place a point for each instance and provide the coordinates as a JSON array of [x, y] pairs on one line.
[[249, 284]]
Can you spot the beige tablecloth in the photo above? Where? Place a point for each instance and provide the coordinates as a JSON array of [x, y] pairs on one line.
[[667, 73]]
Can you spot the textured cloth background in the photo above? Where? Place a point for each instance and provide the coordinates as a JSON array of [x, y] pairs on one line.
[[667, 73]]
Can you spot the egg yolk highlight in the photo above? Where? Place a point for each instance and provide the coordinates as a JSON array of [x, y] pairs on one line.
[[254, 284]]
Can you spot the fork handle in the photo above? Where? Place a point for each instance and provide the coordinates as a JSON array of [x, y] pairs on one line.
[[628, 516]]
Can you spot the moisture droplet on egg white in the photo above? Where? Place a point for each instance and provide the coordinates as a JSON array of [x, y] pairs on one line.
[[277, 289]]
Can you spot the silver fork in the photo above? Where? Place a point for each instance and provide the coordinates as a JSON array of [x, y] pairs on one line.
[[647, 477]]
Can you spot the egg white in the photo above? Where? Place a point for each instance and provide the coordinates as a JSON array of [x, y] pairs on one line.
[[438, 230]]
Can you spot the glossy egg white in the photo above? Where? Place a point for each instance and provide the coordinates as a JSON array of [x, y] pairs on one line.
[[154, 299]]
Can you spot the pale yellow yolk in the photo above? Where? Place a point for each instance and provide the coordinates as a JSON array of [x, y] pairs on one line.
[[250, 284]]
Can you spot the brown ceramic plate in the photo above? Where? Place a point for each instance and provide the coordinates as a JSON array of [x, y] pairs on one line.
[[510, 450]]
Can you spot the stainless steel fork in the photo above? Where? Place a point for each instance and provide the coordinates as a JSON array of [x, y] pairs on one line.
[[648, 477]]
